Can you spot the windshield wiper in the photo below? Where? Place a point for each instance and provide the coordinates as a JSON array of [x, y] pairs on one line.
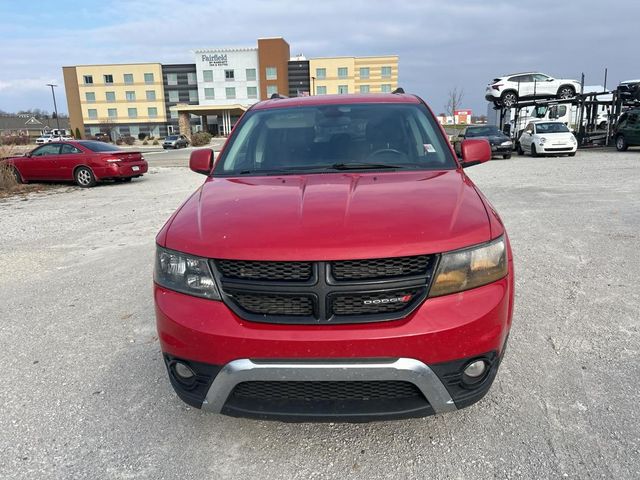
[[362, 166]]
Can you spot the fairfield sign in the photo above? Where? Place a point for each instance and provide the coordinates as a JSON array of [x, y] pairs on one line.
[[216, 59]]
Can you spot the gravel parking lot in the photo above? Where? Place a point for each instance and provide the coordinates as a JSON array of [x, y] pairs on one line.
[[85, 393]]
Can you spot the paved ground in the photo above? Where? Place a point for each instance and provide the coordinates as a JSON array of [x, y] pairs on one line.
[[85, 394]]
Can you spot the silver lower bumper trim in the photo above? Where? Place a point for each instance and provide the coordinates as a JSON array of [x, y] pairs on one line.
[[401, 369]]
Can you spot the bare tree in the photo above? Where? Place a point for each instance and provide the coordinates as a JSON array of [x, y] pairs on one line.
[[454, 101]]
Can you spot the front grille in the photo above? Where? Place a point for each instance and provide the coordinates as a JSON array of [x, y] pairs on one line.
[[379, 268], [372, 303], [345, 291], [266, 271], [314, 391], [268, 304]]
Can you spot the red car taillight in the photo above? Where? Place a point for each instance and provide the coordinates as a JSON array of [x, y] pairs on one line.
[[112, 159], [496, 86]]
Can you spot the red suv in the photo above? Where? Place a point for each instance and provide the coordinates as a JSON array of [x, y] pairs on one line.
[[337, 263]]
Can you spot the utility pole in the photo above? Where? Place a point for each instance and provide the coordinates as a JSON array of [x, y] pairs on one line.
[[55, 107]]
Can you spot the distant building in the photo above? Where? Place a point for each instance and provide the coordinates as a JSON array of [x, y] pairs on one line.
[[340, 75], [211, 93], [29, 125]]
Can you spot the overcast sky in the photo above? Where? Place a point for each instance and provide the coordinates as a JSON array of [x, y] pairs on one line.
[[461, 43]]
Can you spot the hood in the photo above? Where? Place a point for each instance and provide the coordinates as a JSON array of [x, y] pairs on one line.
[[562, 137], [494, 139], [330, 216]]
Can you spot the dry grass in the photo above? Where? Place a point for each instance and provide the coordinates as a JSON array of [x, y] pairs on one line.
[[8, 181]]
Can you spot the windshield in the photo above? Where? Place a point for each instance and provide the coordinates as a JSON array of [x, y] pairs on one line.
[[551, 128], [335, 137], [487, 131], [172, 137], [100, 147]]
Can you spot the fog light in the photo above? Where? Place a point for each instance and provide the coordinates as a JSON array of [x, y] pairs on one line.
[[475, 370], [183, 371]]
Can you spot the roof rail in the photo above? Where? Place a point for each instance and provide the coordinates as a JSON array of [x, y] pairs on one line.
[[398, 90], [276, 96]]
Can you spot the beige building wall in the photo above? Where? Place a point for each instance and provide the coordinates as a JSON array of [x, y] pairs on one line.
[[362, 74], [95, 106]]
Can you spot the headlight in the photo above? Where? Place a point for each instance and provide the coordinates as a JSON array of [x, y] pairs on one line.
[[573, 140], [542, 140], [506, 142], [185, 273], [469, 268]]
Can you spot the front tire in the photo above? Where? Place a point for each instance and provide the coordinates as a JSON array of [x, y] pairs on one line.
[[84, 177], [534, 152], [566, 92], [509, 99], [506, 157], [621, 143], [572, 154], [519, 149], [17, 176]]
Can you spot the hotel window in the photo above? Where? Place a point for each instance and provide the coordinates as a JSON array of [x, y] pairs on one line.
[[364, 88], [385, 72], [209, 94], [272, 73], [132, 112], [251, 74], [271, 89], [90, 96], [229, 75], [386, 88], [152, 112], [321, 73], [128, 78], [108, 78], [110, 96], [193, 96], [130, 96], [151, 94], [364, 73], [88, 79], [321, 90], [112, 113], [174, 96], [191, 78], [93, 113], [134, 130], [252, 92], [343, 89], [343, 72], [207, 75], [230, 92], [148, 78], [172, 78], [173, 114]]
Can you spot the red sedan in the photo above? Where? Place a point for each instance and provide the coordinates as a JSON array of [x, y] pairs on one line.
[[86, 162]]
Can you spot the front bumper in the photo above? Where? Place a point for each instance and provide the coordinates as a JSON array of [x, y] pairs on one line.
[[551, 149], [502, 149], [429, 348], [262, 389]]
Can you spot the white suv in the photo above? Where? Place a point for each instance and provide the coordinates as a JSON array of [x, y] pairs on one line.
[[507, 90]]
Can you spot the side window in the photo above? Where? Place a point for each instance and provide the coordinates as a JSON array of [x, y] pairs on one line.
[[69, 149], [538, 77], [52, 149], [633, 118], [562, 110]]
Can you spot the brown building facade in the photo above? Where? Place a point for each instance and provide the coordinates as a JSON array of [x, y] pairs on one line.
[[273, 59]]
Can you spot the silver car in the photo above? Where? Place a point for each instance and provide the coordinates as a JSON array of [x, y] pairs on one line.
[[175, 141]]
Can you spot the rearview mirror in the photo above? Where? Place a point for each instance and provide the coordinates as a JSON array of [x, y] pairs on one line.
[[201, 161], [475, 152]]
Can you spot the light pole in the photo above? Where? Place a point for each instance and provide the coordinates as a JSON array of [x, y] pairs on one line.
[[55, 107], [313, 85]]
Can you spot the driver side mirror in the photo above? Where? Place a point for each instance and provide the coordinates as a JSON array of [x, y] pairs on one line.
[[475, 152], [27, 154], [201, 161]]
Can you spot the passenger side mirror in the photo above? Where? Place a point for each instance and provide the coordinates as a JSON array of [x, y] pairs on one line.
[[201, 161], [475, 152]]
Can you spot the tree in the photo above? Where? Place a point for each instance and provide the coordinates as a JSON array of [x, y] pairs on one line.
[[454, 101], [78, 136]]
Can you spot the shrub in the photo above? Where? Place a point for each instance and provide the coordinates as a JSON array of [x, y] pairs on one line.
[[142, 136], [200, 139], [119, 141], [151, 137], [7, 177], [77, 135], [145, 142], [129, 140], [156, 142], [14, 140]]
